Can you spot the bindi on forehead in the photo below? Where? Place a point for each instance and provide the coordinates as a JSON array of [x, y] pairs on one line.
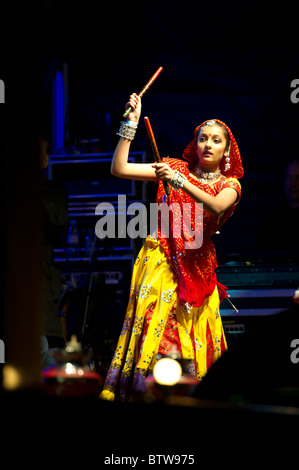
[[216, 134]]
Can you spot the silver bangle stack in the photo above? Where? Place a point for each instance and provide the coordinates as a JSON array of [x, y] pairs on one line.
[[127, 129], [178, 181]]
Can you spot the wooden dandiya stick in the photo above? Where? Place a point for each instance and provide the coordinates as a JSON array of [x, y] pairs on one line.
[[144, 89], [155, 149], [236, 310]]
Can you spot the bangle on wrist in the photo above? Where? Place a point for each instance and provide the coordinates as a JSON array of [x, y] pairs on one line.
[[178, 181], [132, 124], [126, 131]]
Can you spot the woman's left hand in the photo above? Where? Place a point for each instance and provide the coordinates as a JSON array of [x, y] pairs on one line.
[[163, 171]]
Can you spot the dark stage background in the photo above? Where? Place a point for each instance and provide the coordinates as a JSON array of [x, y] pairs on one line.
[[232, 62], [220, 60], [235, 63]]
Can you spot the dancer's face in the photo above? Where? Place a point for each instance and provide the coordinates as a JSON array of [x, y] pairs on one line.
[[211, 147]]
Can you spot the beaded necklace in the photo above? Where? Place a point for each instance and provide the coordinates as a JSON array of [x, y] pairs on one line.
[[205, 176]]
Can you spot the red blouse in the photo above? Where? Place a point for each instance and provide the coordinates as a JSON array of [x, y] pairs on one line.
[[195, 267]]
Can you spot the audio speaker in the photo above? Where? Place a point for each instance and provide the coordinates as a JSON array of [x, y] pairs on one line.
[[261, 366]]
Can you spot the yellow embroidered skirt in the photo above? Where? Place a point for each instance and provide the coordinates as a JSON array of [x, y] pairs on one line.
[[156, 324]]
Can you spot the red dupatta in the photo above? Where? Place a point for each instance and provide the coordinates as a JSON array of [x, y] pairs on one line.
[[195, 268]]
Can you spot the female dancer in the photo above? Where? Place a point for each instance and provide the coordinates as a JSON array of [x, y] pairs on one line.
[[175, 296]]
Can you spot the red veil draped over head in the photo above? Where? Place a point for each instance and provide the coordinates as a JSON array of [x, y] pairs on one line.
[[195, 268]]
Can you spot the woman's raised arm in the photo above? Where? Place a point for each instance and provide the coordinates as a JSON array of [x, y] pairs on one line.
[[120, 166]]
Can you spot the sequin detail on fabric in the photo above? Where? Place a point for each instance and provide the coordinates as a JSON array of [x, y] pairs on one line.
[[156, 324]]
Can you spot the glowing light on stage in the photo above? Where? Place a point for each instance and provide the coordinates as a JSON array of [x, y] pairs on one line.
[[70, 368], [12, 378], [167, 371]]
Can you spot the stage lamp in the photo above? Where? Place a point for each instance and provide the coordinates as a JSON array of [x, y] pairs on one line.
[[167, 371], [12, 378]]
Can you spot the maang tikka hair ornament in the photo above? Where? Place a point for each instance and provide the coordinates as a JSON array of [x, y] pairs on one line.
[[231, 164]]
